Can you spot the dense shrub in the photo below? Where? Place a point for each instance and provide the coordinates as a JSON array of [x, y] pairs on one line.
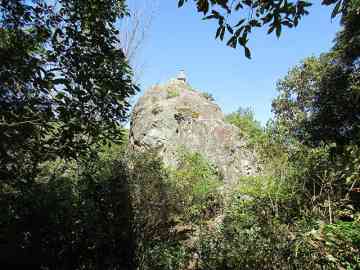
[[197, 184], [78, 216], [169, 206]]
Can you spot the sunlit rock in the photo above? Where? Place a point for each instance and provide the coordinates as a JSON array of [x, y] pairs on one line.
[[175, 115]]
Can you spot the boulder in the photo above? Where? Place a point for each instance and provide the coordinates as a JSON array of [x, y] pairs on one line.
[[174, 115]]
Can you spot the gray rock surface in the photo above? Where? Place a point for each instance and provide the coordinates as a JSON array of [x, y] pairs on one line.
[[174, 115]]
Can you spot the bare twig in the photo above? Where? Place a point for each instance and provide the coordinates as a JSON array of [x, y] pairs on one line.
[[134, 30]]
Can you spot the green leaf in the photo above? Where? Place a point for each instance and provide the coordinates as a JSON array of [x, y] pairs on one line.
[[181, 3], [328, 2], [232, 42], [228, 27], [254, 23], [238, 6], [247, 52], [212, 16], [60, 95], [202, 6], [336, 9], [278, 31], [218, 31], [239, 23], [271, 29]]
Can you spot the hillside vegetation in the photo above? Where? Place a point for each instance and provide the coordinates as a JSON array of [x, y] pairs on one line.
[[73, 196]]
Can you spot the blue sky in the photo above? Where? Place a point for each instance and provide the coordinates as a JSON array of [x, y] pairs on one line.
[[179, 39]]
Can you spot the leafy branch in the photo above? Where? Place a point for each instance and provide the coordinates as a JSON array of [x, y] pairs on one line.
[[274, 15]]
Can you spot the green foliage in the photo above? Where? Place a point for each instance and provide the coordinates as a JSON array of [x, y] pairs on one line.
[[197, 184], [168, 204], [155, 209], [273, 15], [70, 202], [346, 46], [64, 86], [151, 200], [318, 107], [334, 246], [264, 228], [291, 216], [346, 231], [318, 99], [297, 90], [74, 216], [166, 256], [298, 214], [64, 81], [250, 129], [251, 235]]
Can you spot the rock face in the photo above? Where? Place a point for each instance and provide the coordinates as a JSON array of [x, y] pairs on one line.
[[174, 115]]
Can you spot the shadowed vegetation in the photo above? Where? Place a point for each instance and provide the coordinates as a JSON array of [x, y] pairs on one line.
[[73, 196]]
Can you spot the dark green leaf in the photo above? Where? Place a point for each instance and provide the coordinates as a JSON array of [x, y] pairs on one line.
[[247, 52], [336, 9]]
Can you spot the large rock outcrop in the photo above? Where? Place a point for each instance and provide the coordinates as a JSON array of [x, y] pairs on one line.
[[174, 115]]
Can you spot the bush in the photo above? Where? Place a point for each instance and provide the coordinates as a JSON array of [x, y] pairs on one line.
[[166, 255], [197, 184], [152, 204], [169, 205], [250, 237], [72, 216]]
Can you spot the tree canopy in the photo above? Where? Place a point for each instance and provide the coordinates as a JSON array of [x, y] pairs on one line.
[[319, 99], [64, 86], [64, 81]]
